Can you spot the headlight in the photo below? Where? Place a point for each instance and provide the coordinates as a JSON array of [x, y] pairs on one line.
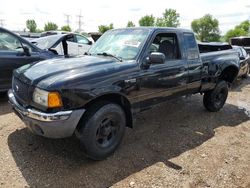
[[47, 99]]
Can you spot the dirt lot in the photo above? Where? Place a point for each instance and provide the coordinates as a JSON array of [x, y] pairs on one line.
[[177, 144]]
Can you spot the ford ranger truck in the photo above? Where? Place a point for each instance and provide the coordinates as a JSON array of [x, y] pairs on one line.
[[96, 96]]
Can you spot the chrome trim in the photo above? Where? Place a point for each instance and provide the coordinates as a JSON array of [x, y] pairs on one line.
[[35, 114]]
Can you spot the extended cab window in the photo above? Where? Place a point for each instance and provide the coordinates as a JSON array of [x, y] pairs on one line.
[[167, 44], [191, 46]]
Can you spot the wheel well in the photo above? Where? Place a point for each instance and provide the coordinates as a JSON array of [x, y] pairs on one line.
[[229, 74], [118, 99]]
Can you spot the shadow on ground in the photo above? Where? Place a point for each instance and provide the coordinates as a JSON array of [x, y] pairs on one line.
[[4, 105], [159, 135]]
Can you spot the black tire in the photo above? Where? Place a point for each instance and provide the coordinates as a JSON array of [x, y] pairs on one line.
[[215, 99], [101, 130]]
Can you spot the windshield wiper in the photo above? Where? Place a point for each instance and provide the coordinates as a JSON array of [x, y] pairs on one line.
[[109, 55]]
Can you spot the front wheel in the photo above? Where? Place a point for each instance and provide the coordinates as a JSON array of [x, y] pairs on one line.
[[215, 99], [101, 130]]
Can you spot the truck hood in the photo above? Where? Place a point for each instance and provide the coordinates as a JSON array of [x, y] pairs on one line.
[[61, 72]]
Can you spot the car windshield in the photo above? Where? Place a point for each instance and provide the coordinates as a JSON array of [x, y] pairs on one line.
[[121, 43]]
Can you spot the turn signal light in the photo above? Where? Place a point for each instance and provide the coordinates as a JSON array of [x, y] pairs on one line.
[[54, 100]]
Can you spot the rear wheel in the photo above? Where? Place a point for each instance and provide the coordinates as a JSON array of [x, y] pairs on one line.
[[101, 130], [215, 99]]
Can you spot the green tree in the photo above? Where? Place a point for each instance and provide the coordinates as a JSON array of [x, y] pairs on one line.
[[239, 30], [39, 30], [236, 32], [244, 26], [66, 28], [104, 28], [50, 26], [31, 25], [170, 18], [148, 20], [206, 28], [130, 24]]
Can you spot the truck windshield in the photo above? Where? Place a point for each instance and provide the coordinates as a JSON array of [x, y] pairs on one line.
[[121, 43]]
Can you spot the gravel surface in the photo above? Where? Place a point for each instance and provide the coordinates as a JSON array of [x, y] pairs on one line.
[[176, 144]]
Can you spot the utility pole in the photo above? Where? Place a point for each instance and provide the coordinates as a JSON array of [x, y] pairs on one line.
[[1, 22], [79, 22], [67, 19]]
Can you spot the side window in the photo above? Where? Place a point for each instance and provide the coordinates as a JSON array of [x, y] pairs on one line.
[[191, 46], [167, 44], [9, 42], [81, 40]]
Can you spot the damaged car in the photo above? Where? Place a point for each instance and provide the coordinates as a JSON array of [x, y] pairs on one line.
[[68, 44], [16, 51]]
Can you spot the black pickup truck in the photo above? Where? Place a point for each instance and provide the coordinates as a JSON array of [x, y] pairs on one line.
[[125, 72]]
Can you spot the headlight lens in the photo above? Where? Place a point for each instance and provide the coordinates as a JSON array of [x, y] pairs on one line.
[[47, 99]]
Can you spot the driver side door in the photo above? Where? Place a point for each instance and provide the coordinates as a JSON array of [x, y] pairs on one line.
[[159, 82], [83, 44]]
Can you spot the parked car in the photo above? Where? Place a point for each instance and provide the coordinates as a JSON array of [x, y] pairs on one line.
[[243, 41], [49, 33], [15, 52], [70, 44], [244, 62], [125, 72]]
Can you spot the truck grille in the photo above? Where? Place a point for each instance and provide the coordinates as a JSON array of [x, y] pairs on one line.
[[21, 90]]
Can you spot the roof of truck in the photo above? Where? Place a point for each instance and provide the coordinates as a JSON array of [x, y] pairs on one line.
[[159, 28]]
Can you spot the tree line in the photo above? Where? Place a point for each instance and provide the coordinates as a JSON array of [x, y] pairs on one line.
[[50, 26], [205, 28]]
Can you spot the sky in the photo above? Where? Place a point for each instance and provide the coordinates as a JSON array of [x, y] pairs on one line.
[[99, 12]]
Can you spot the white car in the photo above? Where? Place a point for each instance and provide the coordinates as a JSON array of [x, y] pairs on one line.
[[69, 44]]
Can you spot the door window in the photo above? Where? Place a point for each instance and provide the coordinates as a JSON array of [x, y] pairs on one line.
[[81, 40], [9, 42], [167, 44]]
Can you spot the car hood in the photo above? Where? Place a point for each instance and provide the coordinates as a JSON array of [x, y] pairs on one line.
[[63, 72], [48, 42]]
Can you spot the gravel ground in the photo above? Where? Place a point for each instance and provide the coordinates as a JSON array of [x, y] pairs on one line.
[[176, 144]]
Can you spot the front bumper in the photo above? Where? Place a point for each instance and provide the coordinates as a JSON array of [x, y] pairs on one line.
[[52, 125]]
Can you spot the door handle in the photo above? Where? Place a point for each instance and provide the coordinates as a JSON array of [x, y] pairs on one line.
[[79, 45]]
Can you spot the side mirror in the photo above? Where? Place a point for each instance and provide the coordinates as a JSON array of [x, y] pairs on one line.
[[90, 42], [242, 58], [26, 51], [156, 58]]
